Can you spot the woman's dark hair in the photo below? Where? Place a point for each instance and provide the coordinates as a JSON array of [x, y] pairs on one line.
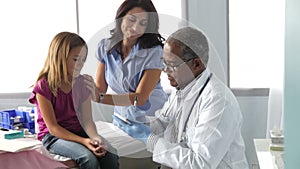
[[150, 38]]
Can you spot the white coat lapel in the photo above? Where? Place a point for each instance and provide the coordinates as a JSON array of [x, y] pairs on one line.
[[186, 109]]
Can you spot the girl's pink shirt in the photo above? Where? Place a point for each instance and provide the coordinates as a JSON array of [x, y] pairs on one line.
[[66, 106]]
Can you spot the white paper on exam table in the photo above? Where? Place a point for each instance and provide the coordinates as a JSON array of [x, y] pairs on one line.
[[20, 144]]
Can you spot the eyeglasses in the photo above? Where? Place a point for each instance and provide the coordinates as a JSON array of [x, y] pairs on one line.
[[174, 68]]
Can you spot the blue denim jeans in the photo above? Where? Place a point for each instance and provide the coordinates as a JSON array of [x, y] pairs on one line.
[[84, 158]]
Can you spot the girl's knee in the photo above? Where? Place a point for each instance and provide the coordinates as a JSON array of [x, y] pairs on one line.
[[109, 161], [89, 161]]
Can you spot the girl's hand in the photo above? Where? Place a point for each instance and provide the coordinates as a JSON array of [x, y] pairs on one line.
[[89, 144], [89, 81], [95, 146], [101, 147]]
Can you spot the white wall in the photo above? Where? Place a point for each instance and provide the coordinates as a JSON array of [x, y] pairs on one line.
[[211, 17], [12, 101]]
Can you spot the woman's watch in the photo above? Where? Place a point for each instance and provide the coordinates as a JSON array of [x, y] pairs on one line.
[[101, 97]]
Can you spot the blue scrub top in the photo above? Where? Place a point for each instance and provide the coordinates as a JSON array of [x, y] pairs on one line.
[[124, 77]]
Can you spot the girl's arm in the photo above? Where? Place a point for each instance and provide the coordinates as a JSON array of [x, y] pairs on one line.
[[54, 128], [99, 85], [87, 119], [89, 127]]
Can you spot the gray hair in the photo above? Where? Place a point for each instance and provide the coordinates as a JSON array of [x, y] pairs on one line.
[[193, 42]]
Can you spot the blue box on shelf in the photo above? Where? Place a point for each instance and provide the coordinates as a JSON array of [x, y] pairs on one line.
[[9, 118]]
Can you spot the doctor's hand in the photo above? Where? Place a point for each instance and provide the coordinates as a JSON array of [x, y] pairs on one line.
[[136, 130], [133, 114]]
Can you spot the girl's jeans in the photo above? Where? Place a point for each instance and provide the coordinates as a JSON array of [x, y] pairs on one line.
[[84, 158]]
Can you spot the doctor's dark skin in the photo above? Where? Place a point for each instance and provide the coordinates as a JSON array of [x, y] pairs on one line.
[[185, 73]]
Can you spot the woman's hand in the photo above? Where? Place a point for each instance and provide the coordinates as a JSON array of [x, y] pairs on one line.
[[89, 81]]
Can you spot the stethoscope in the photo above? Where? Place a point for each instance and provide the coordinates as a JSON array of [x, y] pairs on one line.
[[184, 137]]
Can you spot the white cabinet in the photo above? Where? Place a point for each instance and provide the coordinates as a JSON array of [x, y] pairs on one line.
[[268, 159]]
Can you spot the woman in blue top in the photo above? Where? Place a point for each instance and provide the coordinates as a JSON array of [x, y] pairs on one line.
[[130, 61]]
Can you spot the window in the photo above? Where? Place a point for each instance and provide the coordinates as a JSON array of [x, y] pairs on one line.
[[30, 25], [26, 32], [256, 43]]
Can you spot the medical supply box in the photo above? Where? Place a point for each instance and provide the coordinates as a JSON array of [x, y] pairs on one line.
[[11, 134], [14, 119]]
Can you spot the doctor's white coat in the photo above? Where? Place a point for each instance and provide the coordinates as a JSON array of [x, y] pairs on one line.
[[210, 137]]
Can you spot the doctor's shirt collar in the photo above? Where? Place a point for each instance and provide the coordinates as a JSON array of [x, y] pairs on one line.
[[194, 85]]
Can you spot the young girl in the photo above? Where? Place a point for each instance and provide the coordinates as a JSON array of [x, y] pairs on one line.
[[64, 106]]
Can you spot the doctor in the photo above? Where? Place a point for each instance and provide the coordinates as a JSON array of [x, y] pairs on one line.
[[200, 125]]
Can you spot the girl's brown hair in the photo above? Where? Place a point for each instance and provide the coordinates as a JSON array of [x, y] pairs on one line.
[[55, 67]]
